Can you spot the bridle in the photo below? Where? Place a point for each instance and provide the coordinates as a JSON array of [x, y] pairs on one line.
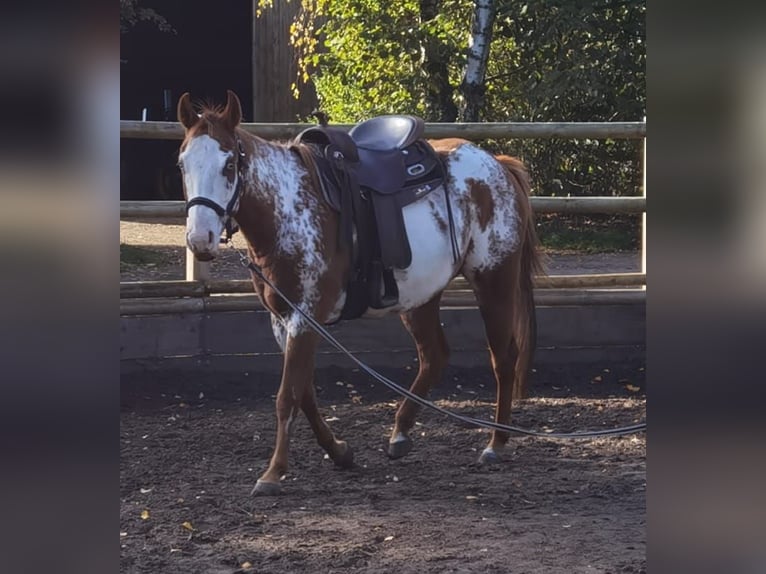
[[226, 213]]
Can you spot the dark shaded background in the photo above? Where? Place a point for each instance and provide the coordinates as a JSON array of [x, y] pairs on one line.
[[208, 52]]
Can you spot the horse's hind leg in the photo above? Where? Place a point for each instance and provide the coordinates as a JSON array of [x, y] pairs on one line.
[[495, 296], [503, 354], [426, 330]]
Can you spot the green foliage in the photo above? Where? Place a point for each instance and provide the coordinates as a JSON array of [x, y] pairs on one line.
[[371, 60], [581, 58], [573, 60], [371, 63], [550, 60]]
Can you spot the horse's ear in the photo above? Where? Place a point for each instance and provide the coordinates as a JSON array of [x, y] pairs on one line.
[[233, 110], [186, 114]]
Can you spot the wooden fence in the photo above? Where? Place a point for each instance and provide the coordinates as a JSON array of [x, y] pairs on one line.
[[201, 294], [469, 131]]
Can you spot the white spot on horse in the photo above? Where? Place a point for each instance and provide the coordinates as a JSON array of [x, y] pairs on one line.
[[280, 333], [335, 313], [432, 267]]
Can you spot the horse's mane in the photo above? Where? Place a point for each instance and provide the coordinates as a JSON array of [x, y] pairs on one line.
[[208, 107], [211, 116]]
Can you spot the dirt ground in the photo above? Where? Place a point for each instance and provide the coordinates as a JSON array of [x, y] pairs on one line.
[[192, 446], [167, 240]]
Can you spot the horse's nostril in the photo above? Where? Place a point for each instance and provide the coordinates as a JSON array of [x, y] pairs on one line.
[[210, 237]]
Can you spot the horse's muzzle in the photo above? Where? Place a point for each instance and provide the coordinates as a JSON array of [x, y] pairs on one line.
[[203, 245]]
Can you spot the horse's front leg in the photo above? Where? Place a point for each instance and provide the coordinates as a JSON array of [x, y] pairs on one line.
[[297, 373]]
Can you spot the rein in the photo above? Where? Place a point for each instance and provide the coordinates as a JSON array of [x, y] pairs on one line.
[[470, 421]]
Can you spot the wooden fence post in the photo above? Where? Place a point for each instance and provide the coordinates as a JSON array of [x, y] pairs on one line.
[[196, 270]]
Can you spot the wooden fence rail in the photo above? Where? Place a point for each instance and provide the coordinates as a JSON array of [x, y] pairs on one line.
[[567, 205], [450, 299], [471, 131], [202, 295], [158, 289]]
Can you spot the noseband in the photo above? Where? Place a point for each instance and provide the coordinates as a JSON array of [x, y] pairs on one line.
[[227, 213]]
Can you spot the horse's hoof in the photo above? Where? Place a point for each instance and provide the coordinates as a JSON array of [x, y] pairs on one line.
[[489, 456], [263, 488], [345, 460], [400, 447]]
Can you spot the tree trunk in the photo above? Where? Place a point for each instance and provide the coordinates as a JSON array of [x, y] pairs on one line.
[[441, 107], [473, 87]]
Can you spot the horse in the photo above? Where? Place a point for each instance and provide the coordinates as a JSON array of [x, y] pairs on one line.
[[270, 189]]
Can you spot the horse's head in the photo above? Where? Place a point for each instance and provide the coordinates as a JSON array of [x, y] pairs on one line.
[[210, 159]]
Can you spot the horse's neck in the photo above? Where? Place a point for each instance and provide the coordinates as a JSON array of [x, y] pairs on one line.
[[271, 167], [272, 189]]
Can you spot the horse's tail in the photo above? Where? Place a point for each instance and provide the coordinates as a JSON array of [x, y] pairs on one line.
[[529, 263]]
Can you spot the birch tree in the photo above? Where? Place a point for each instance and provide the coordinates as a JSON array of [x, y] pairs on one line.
[[472, 87]]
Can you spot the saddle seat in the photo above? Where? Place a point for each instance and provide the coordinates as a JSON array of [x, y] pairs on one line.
[[387, 133]]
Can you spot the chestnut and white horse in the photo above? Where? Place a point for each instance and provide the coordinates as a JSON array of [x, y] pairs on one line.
[[292, 234]]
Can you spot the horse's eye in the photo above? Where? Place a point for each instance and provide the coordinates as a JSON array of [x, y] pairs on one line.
[[230, 166]]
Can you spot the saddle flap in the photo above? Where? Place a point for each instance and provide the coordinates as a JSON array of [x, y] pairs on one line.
[[392, 234], [383, 172]]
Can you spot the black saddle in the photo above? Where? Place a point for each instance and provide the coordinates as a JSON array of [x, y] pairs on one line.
[[369, 175]]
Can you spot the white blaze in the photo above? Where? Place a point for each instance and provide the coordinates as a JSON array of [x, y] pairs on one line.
[[203, 170]]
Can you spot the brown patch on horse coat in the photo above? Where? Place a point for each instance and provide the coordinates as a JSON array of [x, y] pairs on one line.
[[482, 197], [460, 204], [437, 216]]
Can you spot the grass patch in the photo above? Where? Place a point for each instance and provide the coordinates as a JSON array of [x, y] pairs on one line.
[[589, 234], [131, 256]]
